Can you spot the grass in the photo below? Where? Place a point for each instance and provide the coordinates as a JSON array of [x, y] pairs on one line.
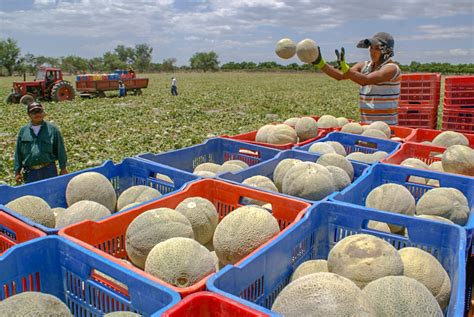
[[96, 130]]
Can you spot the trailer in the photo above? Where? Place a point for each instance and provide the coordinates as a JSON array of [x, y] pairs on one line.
[[97, 88]]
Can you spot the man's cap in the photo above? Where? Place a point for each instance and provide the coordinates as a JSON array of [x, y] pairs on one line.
[[380, 38], [33, 106]]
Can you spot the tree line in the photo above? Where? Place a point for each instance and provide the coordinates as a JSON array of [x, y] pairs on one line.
[[139, 57]]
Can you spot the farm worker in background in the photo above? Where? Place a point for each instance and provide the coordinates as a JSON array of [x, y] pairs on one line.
[[379, 78], [39, 145], [122, 90], [131, 72], [174, 88]]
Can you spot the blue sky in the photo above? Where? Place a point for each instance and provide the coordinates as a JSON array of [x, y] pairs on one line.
[[240, 30]]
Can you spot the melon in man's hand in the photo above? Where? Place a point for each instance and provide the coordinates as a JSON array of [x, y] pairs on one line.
[[307, 51]]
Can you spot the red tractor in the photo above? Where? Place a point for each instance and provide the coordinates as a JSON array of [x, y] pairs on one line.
[[48, 85]]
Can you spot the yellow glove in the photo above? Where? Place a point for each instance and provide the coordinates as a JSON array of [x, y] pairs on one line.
[[319, 62], [341, 61]]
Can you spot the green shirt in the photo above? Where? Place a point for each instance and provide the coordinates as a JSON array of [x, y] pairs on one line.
[[46, 147]]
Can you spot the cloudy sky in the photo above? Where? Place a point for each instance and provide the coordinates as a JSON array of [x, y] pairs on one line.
[[240, 30]]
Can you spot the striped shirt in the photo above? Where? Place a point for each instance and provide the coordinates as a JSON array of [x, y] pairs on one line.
[[379, 102]]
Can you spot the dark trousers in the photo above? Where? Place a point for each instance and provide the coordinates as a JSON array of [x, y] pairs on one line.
[[174, 90], [35, 175]]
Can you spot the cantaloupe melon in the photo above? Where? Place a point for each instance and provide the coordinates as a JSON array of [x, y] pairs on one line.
[[392, 198], [338, 147], [34, 208], [322, 294], [309, 267], [381, 126], [308, 180], [321, 148], [364, 258], [306, 128], [448, 138], [57, 211], [260, 182], [379, 155], [242, 231], [291, 122], [285, 48], [426, 269], [181, 262], [229, 167], [401, 296], [264, 133], [137, 194], [436, 166], [151, 228], [327, 121], [80, 211], [240, 163], [379, 226], [33, 304], [307, 51], [339, 177], [207, 167], [353, 128], [202, 215], [342, 121], [332, 159], [281, 169], [459, 159], [445, 202], [418, 164], [164, 178], [282, 134], [373, 133], [359, 156], [129, 206], [91, 186]]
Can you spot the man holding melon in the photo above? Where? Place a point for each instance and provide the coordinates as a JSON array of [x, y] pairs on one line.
[[379, 78]]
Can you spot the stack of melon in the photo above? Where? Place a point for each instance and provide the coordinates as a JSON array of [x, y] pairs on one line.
[[366, 276], [310, 180], [438, 204], [182, 246], [295, 130], [89, 196], [210, 170]]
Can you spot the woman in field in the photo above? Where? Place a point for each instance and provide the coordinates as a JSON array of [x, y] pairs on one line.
[[379, 78]]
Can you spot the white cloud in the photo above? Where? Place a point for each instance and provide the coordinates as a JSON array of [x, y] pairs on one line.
[[459, 52]]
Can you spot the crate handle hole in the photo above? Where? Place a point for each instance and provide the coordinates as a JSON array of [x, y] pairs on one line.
[[249, 152], [109, 282], [367, 144]]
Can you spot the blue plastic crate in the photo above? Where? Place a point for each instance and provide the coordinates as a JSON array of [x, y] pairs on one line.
[[356, 143], [266, 168], [215, 150], [257, 281], [123, 175], [58, 267], [381, 174]]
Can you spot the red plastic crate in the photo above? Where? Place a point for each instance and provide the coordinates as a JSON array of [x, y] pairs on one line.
[[418, 118], [426, 153], [459, 102], [249, 137], [458, 83], [14, 231], [458, 120], [207, 304], [422, 135], [459, 94], [424, 87], [107, 237]]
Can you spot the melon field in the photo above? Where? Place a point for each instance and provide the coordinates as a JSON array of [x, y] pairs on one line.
[[208, 104]]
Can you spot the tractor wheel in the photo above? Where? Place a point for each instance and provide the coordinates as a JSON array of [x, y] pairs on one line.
[[10, 98], [62, 91], [100, 94], [27, 100]]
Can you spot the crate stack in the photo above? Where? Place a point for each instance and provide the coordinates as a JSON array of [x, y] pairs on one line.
[[419, 100], [458, 106]]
